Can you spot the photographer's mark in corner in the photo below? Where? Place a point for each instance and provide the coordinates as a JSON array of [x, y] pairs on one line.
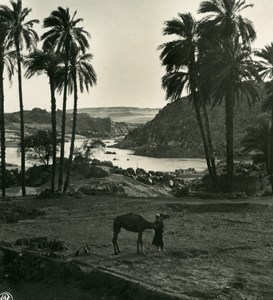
[[6, 296]]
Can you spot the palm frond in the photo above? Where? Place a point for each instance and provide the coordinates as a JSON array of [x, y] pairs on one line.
[[174, 84]]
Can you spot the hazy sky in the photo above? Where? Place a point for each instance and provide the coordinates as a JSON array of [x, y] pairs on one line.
[[125, 36]]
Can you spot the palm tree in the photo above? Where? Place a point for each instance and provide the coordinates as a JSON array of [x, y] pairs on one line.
[[82, 74], [181, 59], [63, 35], [20, 33], [228, 30], [266, 72], [235, 74], [6, 60], [40, 62]]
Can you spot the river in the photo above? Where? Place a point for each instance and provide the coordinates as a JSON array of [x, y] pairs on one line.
[[125, 158]]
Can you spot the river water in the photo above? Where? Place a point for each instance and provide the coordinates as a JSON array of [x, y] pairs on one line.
[[125, 158]]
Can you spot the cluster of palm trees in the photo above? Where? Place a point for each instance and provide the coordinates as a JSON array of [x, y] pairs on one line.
[[63, 58], [213, 59]]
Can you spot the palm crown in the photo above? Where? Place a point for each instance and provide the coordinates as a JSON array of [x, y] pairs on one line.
[[224, 19], [64, 33], [179, 56], [234, 70], [39, 62], [18, 29]]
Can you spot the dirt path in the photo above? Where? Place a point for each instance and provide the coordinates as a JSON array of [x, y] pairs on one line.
[[214, 249]]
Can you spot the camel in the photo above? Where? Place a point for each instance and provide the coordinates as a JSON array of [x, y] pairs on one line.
[[134, 223]]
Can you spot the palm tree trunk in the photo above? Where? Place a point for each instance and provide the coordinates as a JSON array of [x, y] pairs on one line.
[[271, 150], [61, 162], [22, 123], [2, 129], [204, 139], [54, 132], [73, 133], [196, 103], [229, 106], [210, 147]]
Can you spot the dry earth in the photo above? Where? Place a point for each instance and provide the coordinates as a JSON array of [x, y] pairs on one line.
[[214, 249]]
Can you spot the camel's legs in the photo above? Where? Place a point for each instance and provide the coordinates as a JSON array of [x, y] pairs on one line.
[[140, 242], [115, 244]]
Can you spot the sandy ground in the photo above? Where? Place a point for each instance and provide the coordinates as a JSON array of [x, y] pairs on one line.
[[214, 249]]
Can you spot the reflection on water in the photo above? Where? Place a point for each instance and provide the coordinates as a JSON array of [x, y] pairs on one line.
[[125, 158]]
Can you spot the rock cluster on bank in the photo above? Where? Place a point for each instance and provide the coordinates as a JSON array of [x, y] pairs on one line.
[[102, 169], [249, 179]]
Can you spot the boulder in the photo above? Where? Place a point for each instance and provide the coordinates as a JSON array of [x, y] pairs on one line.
[[99, 171], [119, 171], [110, 152], [38, 175], [131, 171], [140, 171], [155, 178], [105, 163], [159, 173], [181, 191]]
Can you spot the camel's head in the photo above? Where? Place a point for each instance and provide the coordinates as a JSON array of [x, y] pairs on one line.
[[164, 216]]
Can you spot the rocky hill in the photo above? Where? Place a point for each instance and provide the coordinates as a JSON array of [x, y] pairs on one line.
[[174, 131], [122, 114], [86, 125]]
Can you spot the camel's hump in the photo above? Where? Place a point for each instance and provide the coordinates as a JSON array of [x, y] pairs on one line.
[[129, 216], [131, 222]]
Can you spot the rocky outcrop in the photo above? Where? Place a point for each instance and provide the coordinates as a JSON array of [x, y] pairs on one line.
[[174, 131], [86, 125], [173, 180], [38, 175], [98, 127], [35, 176], [99, 171]]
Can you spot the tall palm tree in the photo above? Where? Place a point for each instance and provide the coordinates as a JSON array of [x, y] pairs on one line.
[[20, 33], [81, 74], [6, 61], [63, 35], [266, 71], [181, 59], [235, 76], [47, 62], [224, 25]]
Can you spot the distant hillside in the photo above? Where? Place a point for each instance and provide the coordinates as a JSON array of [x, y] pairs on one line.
[[174, 131], [122, 114], [86, 125]]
